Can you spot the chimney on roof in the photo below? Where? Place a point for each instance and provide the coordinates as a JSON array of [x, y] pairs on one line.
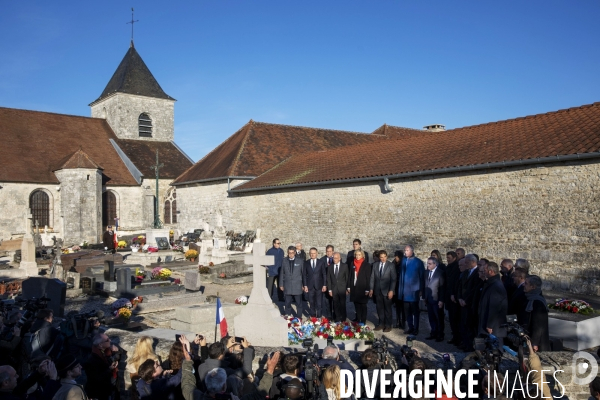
[[435, 128]]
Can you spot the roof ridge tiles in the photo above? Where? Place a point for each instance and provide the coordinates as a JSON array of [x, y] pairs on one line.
[[311, 127]]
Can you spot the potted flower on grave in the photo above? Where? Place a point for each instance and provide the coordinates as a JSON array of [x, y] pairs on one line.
[[161, 274], [124, 314], [140, 275], [203, 270], [191, 255], [122, 244]]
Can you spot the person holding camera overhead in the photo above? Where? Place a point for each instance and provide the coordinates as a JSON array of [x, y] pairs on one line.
[[101, 367]]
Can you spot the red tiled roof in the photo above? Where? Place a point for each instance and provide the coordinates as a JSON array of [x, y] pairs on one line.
[[79, 160], [37, 143], [143, 155], [258, 146], [564, 132]]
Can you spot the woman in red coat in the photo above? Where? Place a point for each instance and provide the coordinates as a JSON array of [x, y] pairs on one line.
[[359, 283]]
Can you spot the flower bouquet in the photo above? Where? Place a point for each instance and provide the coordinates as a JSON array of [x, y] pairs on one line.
[[161, 274], [140, 275], [124, 313], [243, 300], [75, 248], [203, 270], [140, 241], [122, 244], [191, 255], [177, 247], [572, 306], [322, 328]]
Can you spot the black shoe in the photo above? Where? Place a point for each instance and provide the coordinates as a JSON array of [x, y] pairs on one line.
[[430, 337], [378, 328], [387, 329]]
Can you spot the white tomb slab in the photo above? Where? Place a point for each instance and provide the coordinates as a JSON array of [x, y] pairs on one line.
[[578, 332], [260, 321]]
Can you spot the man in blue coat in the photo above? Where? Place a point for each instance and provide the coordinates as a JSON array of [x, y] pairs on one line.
[[411, 285], [273, 270], [291, 281]]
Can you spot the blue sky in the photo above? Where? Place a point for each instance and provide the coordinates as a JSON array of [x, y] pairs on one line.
[[350, 65]]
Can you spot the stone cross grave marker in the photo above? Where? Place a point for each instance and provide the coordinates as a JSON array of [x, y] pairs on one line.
[[124, 280], [272, 330], [258, 259], [28, 218]]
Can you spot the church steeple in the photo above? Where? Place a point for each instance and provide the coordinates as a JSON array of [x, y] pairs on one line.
[[134, 104], [133, 77]]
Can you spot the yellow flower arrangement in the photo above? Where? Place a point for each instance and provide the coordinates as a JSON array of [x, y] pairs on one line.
[[191, 254], [124, 313], [122, 244]]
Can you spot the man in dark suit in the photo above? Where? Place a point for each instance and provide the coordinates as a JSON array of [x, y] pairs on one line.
[[493, 302], [337, 285], [518, 301], [292, 281], [451, 302], [507, 267], [299, 252], [327, 301], [108, 239], [315, 279], [356, 245], [435, 282], [383, 284], [468, 285]]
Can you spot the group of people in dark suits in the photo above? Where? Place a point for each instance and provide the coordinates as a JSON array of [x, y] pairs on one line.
[[476, 294]]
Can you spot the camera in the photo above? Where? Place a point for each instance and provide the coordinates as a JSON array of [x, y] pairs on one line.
[[407, 350], [30, 308], [487, 348], [81, 325], [311, 372], [515, 332], [386, 360]]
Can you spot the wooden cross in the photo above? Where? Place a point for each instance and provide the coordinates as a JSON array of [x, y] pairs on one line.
[[132, 22], [259, 294]]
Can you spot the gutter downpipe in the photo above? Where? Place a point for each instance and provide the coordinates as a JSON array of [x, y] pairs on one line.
[[475, 167]]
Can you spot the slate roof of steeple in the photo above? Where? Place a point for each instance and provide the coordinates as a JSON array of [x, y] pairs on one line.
[[133, 77]]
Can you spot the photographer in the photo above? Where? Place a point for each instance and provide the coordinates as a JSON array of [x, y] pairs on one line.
[[217, 381], [102, 368], [156, 383], [217, 353], [291, 370], [46, 338], [535, 366], [331, 356]]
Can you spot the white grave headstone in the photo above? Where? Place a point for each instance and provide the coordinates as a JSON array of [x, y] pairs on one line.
[[272, 331]]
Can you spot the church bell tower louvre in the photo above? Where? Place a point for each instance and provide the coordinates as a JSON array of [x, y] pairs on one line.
[[134, 104]]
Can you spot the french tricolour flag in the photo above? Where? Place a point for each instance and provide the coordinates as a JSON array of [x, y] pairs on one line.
[[221, 321]]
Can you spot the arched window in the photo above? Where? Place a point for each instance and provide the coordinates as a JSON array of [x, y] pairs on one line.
[[39, 203], [145, 125], [170, 210], [109, 208]]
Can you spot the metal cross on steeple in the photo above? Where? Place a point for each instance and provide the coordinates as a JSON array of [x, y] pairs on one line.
[[156, 167], [132, 22]]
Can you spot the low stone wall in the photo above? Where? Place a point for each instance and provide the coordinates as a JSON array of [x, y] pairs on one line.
[[547, 214]]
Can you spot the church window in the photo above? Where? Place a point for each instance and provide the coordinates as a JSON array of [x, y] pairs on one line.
[[39, 203], [170, 210], [145, 125], [109, 208]]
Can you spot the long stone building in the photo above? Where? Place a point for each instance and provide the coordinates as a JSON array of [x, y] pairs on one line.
[[78, 174], [526, 187]]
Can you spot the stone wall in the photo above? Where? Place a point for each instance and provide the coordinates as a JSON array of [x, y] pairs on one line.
[[81, 204], [549, 215], [14, 203], [122, 111]]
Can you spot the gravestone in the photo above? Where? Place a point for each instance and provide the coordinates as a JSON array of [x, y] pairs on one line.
[[194, 246], [53, 288], [109, 271], [168, 259], [28, 265], [219, 251], [192, 281], [88, 284], [207, 246], [272, 330], [124, 280], [72, 279], [162, 243]]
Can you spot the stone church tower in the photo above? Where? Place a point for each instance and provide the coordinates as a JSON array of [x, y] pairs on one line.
[[134, 104]]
